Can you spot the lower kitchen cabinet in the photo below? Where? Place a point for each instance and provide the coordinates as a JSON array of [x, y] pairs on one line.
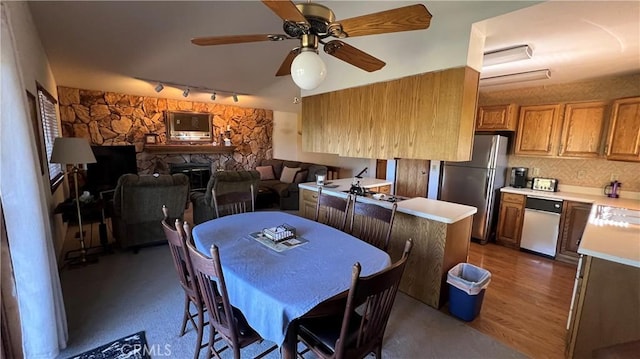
[[575, 216], [510, 220], [308, 202], [605, 308]]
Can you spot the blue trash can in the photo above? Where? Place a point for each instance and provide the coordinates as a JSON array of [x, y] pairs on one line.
[[467, 284]]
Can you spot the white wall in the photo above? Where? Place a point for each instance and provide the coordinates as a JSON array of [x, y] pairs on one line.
[[287, 145]]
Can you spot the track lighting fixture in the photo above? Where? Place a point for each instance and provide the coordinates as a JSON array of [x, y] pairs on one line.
[[188, 89]]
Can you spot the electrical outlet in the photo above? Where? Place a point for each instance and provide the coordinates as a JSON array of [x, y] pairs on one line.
[[614, 177], [581, 174], [535, 172]]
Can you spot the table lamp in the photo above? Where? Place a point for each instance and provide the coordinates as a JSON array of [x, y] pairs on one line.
[[74, 151]]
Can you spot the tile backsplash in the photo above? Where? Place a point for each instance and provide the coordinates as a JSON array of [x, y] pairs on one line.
[[579, 172]]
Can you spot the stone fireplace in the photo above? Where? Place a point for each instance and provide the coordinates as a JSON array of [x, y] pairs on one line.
[[108, 118]]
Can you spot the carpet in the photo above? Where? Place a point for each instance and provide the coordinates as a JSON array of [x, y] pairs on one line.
[[132, 346]]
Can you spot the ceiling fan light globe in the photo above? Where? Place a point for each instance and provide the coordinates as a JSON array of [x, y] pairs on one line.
[[308, 70]]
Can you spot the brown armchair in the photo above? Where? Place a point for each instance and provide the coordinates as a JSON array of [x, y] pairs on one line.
[[223, 182], [137, 204]]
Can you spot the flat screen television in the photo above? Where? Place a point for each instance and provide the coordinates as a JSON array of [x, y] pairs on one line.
[[111, 163]]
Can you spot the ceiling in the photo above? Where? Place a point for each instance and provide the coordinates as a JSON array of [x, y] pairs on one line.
[[110, 45]]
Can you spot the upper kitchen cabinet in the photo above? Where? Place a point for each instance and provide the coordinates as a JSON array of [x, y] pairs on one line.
[[497, 118], [623, 142], [426, 116], [538, 128], [583, 129]]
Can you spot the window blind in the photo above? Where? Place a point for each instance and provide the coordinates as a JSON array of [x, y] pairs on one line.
[[50, 131]]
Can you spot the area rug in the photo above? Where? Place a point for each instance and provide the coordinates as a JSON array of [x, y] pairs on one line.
[[133, 346]]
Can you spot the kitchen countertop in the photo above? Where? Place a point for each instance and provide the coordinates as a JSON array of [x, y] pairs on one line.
[[440, 211], [605, 239], [611, 240], [578, 197]]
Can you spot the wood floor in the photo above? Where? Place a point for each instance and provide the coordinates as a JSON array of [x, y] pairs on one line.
[[527, 302]]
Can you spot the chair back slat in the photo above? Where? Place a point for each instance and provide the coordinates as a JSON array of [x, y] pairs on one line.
[[331, 210], [181, 261], [233, 202], [376, 294], [208, 272], [372, 223]]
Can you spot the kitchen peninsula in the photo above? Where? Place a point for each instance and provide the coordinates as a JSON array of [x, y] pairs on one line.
[[441, 232]]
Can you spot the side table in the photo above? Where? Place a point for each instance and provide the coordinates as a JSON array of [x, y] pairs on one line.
[[91, 212]]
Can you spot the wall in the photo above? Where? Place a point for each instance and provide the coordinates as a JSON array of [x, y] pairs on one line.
[[578, 172], [108, 118]]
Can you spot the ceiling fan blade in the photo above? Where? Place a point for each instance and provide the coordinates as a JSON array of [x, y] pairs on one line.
[[286, 10], [413, 17], [285, 68], [236, 39], [352, 55]]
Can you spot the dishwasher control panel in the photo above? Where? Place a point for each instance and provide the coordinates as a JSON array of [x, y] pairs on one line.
[[544, 204]]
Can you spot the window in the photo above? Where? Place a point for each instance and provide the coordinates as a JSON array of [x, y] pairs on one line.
[[50, 131]]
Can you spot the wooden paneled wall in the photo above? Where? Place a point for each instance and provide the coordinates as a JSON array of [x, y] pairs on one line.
[[426, 116]]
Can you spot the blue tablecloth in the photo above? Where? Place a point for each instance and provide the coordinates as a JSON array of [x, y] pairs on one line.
[[273, 288]]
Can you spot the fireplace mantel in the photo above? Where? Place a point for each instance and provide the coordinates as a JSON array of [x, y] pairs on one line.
[[190, 149]]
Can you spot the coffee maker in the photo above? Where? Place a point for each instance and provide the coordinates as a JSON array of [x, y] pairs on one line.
[[519, 177]]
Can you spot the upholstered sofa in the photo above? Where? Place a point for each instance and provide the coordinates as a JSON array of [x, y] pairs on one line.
[[137, 207], [223, 182], [284, 181]]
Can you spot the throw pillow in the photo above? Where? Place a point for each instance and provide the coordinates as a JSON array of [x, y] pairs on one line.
[[301, 176], [266, 172], [288, 174]]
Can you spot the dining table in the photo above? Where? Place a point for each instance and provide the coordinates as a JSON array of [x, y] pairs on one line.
[[274, 287]]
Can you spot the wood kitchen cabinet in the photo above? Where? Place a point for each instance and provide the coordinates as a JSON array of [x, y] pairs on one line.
[[575, 216], [308, 202], [605, 308], [497, 118], [538, 130], [510, 220], [623, 142], [583, 130], [381, 189]]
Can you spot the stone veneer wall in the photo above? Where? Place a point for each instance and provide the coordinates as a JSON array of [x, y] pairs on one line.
[[574, 171], [108, 118]]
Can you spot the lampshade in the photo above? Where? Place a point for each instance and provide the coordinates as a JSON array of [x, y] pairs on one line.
[[308, 70], [523, 52], [72, 150]]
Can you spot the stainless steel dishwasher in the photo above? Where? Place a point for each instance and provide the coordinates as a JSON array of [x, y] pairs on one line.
[[541, 225]]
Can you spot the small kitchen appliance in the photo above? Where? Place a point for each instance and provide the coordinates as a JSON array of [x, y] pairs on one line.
[[545, 184], [611, 190], [519, 177]]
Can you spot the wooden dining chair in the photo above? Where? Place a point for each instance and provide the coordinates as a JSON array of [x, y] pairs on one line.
[[177, 238], [332, 210], [374, 223], [224, 319], [355, 334], [233, 202]]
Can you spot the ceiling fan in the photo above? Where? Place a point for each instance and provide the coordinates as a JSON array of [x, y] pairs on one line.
[[314, 24]]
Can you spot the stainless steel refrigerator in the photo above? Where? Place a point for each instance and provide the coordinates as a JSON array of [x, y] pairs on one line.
[[477, 182]]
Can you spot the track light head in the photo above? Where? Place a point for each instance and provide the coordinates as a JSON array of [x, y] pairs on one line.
[[213, 96], [159, 87], [186, 92], [235, 97]]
